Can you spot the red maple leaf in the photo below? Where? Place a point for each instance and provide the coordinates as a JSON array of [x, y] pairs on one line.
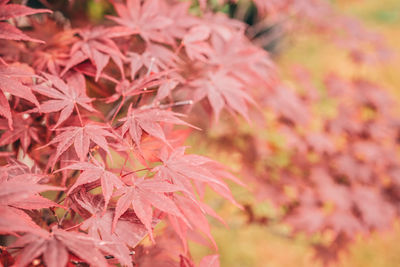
[[55, 53], [12, 81], [19, 190], [142, 194], [56, 247], [66, 96], [9, 11], [93, 172], [80, 137], [144, 18], [196, 219], [22, 130], [128, 232], [195, 43], [223, 90], [180, 169], [97, 45], [155, 58], [149, 120]]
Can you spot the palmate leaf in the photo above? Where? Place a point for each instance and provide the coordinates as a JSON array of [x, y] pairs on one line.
[[142, 194], [196, 220], [146, 18], [155, 58], [97, 46], [65, 96], [21, 191], [57, 246], [127, 233], [81, 137], [99, 227], [180, 169], [92, 172], [195, 43], [22, 130], [13, 221], [8, 11], [223, 91], [149, 120], [11, 81]]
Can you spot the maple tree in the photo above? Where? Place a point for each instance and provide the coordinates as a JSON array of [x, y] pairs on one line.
[[330, 171], [89, 114]]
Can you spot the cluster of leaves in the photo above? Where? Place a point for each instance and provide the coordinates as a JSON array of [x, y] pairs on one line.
[[330, 161], [78, 101], [340, 172], [75, 101]]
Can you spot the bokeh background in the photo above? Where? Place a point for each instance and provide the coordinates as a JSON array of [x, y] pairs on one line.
[[263, 245]]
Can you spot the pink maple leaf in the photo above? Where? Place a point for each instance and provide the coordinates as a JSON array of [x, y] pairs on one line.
[[9, 11], [65, 96]]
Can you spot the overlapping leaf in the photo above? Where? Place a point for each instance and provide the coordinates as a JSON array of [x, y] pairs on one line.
[[145, 18], [57, 246], [93, 172], [142, 195], [11, 81], [97, 45], [21, 191], [149, 121], [8, 11]]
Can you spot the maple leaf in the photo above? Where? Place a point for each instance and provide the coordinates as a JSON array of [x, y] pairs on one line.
[[54, 55], [223, 90], [196, 219], [125, 233], [329, 190], [15, 193], [125, 90], [287, 103], [19, 190], [22, 130], [182, 20], [181, 168], [142, 195], [155, 58], [145, 18], [195, 43], [56, 247], [11, 82], [80, 137], [93, 172], [247, 63], [97, 45], [5, 110], [165, 89], [9, 11], [128, 230], [149, 120], [14, 221], [66, 96]]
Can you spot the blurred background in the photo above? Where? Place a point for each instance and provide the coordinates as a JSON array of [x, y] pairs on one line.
[[265, 243]]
